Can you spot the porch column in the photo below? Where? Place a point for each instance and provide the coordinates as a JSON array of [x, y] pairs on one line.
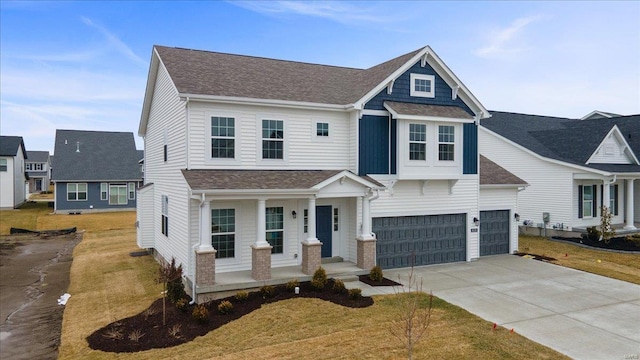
[[628, 214], [311, 247], [261, 249], [366, 241], [205, 253], [606, 194]]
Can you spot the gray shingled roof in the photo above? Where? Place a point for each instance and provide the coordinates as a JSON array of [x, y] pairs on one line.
[[259, 179], [38, 156], [103, 156], [569, 140], [427, 110], [9, 146], [219, 74], [494, 174]]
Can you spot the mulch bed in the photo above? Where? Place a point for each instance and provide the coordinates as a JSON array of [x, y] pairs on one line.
[[117, 336], [385, 282], [616, 243]]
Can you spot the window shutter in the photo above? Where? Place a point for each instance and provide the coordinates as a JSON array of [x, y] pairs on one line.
[[615, 201], [602, 196], [595, 202], [579, 201]]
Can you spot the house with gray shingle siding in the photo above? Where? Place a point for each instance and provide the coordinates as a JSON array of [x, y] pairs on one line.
[[13, 178], [253, 164], [574, 167], [95, 171], [38, 169]]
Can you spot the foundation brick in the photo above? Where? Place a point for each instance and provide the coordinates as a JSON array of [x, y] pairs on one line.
[[311, 257], [261, 262], [205, 267], [366, 253]]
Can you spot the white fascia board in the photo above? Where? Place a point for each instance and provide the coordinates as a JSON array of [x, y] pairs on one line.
[[503, 186], [254, 193], [148, 92], [398, 116], [96, 181], [535, 154], [596, 112], [615, 131], [349, 175], [270, 102]]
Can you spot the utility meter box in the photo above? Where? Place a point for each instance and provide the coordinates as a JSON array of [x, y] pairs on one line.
[[546, 217]]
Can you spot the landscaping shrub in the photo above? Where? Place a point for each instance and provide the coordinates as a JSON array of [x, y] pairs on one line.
[[200, 314], [225, 307], [376, 273], [292, 284], [267, 291], [182, 305], [355, 294], [242, 296], [593, 233], [338, 286], [319, 280]]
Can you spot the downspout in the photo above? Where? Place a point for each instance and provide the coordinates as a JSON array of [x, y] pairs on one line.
[[191, 261], [477, 123], [186, 106], [372, 198]]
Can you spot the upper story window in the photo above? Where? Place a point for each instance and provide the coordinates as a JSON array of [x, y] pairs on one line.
[[34, 166], [322, 129], [446, 140], [272, 139], [417, 142], [3, 164], [222, 137], [423, 85]]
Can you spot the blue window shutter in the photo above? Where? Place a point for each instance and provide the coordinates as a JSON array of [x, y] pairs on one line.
[[579, 201], [470, 149], [615, 202], [595, 198]]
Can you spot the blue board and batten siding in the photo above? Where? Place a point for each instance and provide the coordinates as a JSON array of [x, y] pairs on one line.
[[93, 199], [377, 147]]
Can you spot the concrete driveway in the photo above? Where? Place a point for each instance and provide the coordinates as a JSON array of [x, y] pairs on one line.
[[582, 315]]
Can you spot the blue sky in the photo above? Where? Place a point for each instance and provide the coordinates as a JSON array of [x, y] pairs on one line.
[[83, 65]]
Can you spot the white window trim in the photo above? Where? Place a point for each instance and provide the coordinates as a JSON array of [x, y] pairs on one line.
[[236, 234], [285, 139], [78, 191], [236, 139], [427, 94], [126, 194], [457, 145], [314, 131], [164, 199], [425, 142], [4, 164], [583, 201], [104, 191], [131, 191], [283, 229]]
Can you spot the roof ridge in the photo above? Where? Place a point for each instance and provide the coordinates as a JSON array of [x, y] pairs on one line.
[[536, 115]]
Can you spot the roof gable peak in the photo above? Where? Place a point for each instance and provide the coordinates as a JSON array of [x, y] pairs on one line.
[[613, 149]]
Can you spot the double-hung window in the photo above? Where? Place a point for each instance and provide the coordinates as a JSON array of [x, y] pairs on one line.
[[3, 164], [275, 229], [223, 137], [223, 232], [117, 194], [272, 139], [587, 201], [446, 140], [165, 215], [76, 192], [104, 191], [613, 199], [417, 142]]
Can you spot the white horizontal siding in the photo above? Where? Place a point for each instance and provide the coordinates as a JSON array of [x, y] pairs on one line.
[[303, 150], [550, 187], [610, 152], [145, 217]]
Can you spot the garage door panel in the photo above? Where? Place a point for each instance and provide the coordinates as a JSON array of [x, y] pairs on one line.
[[494, 232], [421, 240]]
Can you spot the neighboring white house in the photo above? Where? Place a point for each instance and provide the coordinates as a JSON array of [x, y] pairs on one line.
[[38, 169], [13, 178], [574, 167], [254, 163]]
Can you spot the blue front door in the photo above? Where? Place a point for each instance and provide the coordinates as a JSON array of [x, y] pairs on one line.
[[324, 228]]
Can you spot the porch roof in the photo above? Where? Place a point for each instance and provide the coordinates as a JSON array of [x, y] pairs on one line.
[[403, 110], [206, 179], [494, 174]]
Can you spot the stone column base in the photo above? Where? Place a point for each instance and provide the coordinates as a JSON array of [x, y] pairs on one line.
[[366, 253], [261, 262], [205, 267], [311, 256]]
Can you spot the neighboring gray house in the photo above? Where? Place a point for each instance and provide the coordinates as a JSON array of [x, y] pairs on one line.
[[38, 168], [95, 171], [574, 167], [13, 178]]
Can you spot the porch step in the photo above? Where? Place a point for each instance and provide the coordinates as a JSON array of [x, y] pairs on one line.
[[347, 278], [331, 260]]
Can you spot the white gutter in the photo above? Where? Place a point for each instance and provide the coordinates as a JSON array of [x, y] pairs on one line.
[[253, 101]]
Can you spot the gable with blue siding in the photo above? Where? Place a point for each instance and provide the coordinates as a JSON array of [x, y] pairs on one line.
[[378, 134]]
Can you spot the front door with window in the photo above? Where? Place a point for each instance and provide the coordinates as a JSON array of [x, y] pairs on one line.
[[324, 229]]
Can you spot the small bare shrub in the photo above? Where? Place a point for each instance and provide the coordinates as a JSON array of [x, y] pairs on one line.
[[292, 284], [355, 294], [225, 307], [113, 333], [136, 335], [242, 296], [175, 330], [267, 291], [200, 314], [338, 286], [376, 273], [149, 312], [182, 305]]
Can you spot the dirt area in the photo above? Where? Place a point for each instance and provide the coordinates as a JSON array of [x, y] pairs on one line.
[[34, 273]]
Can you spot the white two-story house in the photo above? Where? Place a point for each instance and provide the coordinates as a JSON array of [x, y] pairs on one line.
[[255, 163]]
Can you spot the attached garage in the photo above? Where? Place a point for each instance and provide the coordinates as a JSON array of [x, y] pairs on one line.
[[420, 240], [494, 232]]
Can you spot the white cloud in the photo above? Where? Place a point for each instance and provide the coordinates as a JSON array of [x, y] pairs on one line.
[[114, 41], [504, 42], [342, 12]]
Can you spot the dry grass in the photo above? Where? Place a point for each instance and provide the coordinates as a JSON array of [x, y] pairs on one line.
[[46, 196], [610, 264]]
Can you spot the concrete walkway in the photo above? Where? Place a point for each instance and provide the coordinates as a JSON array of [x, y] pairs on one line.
[[582, 315]]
